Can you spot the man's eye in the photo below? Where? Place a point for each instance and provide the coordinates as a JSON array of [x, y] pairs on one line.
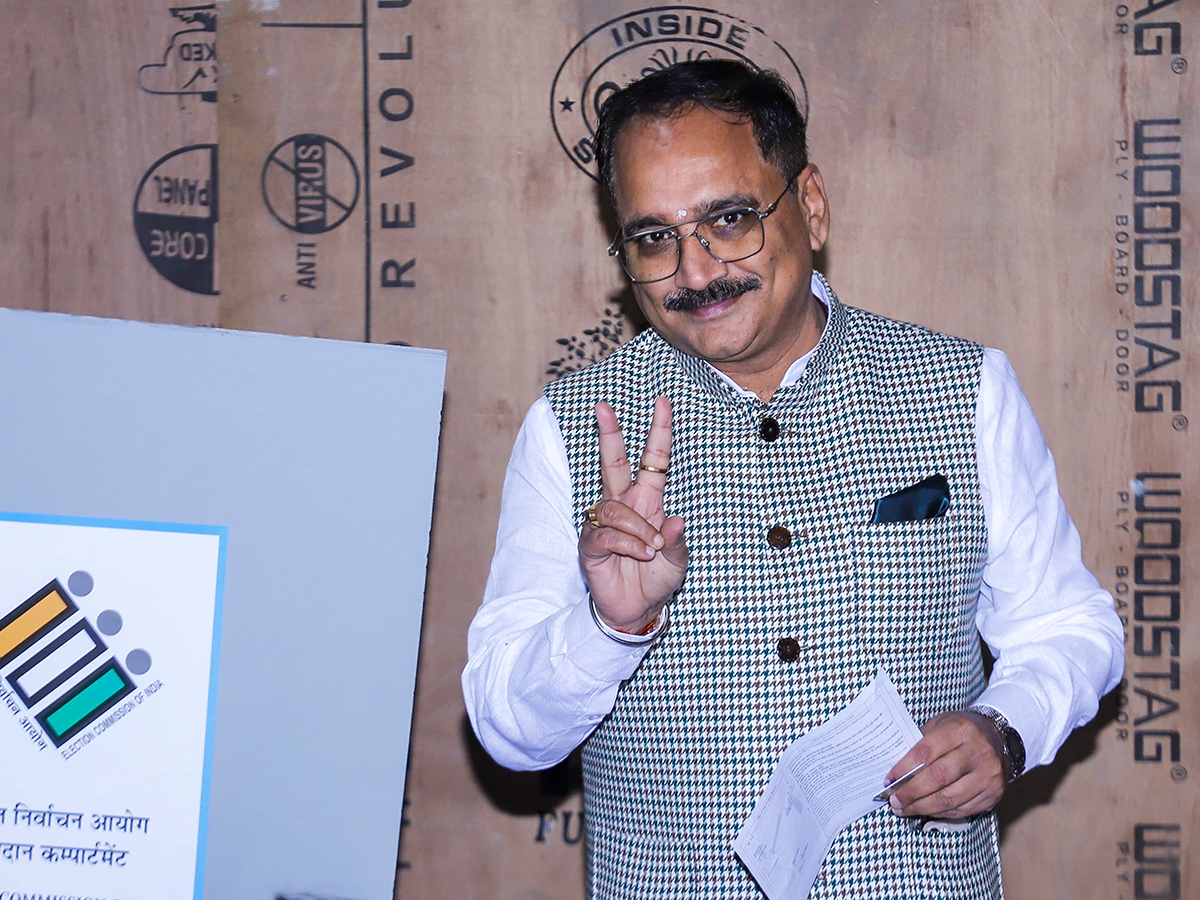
[[654, 241], [731, 220]]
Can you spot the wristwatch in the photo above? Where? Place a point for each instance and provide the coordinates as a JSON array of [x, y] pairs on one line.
[[1014, 747]]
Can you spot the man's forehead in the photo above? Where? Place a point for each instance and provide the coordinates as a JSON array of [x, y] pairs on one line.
[[673, 168], [686, 130]]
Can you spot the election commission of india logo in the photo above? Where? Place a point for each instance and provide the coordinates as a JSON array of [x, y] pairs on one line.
[[626, 48]]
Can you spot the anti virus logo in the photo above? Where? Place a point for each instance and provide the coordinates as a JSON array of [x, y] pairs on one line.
[[641, 42], [310, 183]]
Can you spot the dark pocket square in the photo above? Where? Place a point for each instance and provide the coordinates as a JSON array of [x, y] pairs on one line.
[[926, 499]]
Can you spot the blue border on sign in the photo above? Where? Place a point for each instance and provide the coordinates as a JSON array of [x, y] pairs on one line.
[[222, 534]]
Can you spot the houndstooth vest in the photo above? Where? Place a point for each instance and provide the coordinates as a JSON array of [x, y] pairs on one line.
[[673, 771]]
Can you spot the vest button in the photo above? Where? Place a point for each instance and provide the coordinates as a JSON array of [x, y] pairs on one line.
[[789, 649], [779, 537], [768, 429]]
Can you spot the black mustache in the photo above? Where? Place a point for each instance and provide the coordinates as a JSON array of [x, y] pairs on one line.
[[686, 299]]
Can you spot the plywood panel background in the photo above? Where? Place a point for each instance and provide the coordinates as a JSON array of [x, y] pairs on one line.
[[1010, 172], [82, 130]]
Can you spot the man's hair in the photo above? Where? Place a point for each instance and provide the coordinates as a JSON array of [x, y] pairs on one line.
[[725, 85]]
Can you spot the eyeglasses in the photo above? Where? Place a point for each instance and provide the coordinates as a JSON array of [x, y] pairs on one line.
[[728, 236]]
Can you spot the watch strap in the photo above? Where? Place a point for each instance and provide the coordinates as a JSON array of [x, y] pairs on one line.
[[1014, 747]]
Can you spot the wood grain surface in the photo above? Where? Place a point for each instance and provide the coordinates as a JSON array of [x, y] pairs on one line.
[[982, 166]]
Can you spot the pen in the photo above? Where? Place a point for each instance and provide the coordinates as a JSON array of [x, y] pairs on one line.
[[891, 788]]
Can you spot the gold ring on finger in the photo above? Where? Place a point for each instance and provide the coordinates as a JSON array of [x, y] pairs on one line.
[[591, 514], [655, 469]]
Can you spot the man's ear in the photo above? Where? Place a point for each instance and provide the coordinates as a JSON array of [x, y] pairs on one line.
[[815, 205]]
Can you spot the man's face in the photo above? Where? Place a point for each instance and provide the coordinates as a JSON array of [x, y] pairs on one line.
[[673, 170]]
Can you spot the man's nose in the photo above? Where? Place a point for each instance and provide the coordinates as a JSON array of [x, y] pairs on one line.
[[697, 267]]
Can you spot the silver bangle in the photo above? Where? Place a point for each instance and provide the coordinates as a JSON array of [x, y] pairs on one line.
[[631, 640]]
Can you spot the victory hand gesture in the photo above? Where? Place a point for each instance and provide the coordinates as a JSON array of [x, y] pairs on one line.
[[633, 556]]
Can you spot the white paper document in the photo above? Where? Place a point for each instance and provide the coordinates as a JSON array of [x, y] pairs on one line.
[[108, 633], [825, 780]]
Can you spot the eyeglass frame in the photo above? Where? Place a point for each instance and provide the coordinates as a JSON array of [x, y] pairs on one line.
[[614, 247]]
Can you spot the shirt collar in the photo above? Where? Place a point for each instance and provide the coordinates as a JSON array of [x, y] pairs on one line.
[[795, 370]]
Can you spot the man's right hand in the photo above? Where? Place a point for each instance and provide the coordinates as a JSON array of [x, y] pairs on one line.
[[634, 560]]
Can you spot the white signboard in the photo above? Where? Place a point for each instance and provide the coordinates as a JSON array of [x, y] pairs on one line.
[[319, 458], [107, 692]]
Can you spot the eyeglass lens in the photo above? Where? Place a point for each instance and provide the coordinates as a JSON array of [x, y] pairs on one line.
[[728, 236]]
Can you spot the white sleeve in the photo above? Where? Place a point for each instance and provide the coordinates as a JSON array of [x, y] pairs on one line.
[[1057, 641], [540, 674]]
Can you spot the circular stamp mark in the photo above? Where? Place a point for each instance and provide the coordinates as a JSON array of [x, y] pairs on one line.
[[631, 46], [175, 217], [310, 183]]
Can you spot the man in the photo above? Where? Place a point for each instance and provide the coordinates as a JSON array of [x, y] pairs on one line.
[[691, 615]]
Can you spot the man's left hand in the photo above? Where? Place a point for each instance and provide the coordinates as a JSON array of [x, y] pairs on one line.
[[964, 769]]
